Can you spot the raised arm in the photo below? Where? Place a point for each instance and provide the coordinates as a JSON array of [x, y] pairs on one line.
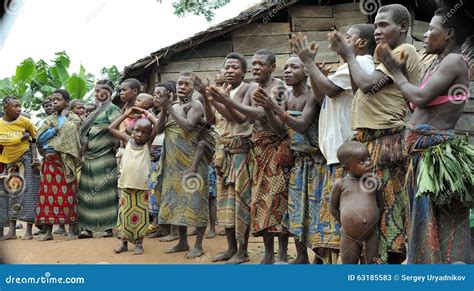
[[366, 83], [153, 120], [450, 69], [335, 201], [113, 127], [320, 83]]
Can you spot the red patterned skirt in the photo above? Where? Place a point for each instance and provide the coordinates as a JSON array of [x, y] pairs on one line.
[[57, 203]]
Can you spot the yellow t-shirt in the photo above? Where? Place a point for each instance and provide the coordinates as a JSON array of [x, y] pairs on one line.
[[10, 138], [386, 108]]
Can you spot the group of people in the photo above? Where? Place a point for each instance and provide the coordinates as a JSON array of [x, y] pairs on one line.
[[333, 161]]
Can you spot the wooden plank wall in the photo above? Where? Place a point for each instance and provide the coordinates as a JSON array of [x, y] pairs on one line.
[[313, 21]]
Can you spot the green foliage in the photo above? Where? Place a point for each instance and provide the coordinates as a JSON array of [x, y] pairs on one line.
[[447, 173], [34, 81], [112, 74], [198, 7]]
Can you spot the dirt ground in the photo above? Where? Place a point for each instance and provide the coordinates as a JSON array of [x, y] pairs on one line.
[[100, 251]]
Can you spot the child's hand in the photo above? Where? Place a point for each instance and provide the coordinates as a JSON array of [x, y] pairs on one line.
[[128, 111], [25, 136]]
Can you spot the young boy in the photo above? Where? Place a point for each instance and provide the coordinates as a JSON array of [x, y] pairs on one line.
[[357, 204], [133, 212]]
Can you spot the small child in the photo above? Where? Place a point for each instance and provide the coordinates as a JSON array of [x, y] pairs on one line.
[[357, 204], [133, 214], [89, 108], [48, 106], [77, 107]]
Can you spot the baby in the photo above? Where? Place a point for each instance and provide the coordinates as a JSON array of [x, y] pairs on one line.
[[357, 204]]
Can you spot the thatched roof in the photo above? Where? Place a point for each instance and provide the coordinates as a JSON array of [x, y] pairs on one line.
[[253, 13]]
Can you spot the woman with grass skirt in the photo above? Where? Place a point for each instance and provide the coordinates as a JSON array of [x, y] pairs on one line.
[[440, 176]]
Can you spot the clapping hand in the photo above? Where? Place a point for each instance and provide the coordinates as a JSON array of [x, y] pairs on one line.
[[385, 55], [221, 96], [300, 46], [261, 98], [339, 44]]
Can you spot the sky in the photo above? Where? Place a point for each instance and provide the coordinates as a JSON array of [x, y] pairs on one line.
[[96, 33]]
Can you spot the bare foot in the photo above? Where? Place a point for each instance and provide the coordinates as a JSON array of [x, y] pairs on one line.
[[300, 260], [138, 250], [108, 233], [71, 236], [267, 260], [224, 256], [169, 237], [122, 248], [194, 253], [211, 234], [155, 234], [46, 237], [180, 247], [27, 236], [61, 230], [9, 236], [239, 258], [283, 259], [222, 232]]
